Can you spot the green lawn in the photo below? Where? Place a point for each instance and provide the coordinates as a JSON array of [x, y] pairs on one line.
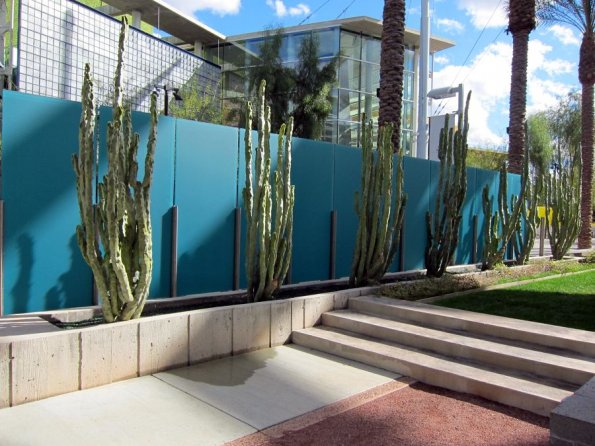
[[566, 301]]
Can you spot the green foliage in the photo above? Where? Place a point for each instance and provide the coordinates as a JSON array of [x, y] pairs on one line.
[[485, 159], [539, 142], [565, 124], [311, 94], [562, 199], [502, 225], [198, 104], [380, 215], [115, 234], [269, 225], [268, 66], [443, 225], [307, 87]]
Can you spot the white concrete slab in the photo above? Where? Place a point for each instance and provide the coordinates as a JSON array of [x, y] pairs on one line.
[[266, 387], [141, 411]]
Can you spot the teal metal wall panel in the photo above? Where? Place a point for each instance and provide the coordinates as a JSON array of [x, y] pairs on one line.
[[313, 178], [206, 169], [464, 252], [347, 181], [161, 190], [43, 267], [417, 187]]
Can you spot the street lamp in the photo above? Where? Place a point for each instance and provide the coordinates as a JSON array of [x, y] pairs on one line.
[[448, 92]]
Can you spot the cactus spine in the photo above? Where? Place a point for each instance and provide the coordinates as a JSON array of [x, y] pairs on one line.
[[115, 234], [562, 199], [443, 225], [380, 216], [501, 226], [269, 231]]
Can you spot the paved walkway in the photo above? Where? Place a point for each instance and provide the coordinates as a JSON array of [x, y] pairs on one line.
[[206, 404], [286, 395]]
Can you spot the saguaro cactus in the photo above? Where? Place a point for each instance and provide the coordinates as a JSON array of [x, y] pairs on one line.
[[443, 225], [501, 225], [269, 231], [380, 216], [115, 234], [562, 199]]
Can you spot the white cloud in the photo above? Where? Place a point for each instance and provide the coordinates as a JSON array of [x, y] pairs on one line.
[[442, 60], [488, 76], [480, 12], [220, 7], [281, 10], [450, 25], [565, 35]]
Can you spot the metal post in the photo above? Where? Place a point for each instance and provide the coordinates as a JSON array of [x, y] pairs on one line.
[[333, 256], [173, 290], [541, 236], [237, 247], [424, 56], [1, 258], [402, 247], [166, 107], [474, 247]]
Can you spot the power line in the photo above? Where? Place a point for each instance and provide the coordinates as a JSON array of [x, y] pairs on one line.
[[345, 10], [313, 12], [442, 104]]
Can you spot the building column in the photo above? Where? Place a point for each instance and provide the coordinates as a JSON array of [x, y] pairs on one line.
[[198, 48], [136, 19]]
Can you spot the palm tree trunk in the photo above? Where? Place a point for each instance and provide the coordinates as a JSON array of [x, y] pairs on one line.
[[518, 100], [391, 66], [584, 236]]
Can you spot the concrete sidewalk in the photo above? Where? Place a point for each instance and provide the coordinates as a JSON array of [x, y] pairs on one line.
[[206, 404]]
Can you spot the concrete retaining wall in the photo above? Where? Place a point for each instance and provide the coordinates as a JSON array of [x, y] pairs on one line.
[[40, 365]]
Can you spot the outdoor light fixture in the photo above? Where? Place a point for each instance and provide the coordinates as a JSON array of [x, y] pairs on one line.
[[175, 92], [448, 92]]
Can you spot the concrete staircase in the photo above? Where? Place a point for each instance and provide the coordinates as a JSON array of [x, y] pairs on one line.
[[523, 364]]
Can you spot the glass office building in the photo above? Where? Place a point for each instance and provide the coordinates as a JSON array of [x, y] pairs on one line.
[[356, 42]]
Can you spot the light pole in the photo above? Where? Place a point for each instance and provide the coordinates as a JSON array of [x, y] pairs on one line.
[[174, 91]]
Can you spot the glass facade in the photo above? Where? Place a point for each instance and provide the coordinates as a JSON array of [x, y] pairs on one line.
[[358, 78]]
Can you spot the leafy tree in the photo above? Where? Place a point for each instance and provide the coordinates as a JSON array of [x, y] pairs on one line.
[[198, 104], [580, 14], [564, 121], [312, 88], [268, 66], [521, 21], [392, 60], [539, 143]]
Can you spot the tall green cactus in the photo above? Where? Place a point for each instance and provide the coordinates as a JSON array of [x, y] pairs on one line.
[[115, 234], [523, 238], [501, 226], [380, 215], [269, 231], [443, 225], [562, 199]]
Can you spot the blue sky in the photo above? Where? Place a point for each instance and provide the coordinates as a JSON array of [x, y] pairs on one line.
[[480, 59]]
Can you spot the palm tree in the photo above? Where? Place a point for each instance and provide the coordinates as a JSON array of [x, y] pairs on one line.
[[521, 21], [580, 14], [392, 59]]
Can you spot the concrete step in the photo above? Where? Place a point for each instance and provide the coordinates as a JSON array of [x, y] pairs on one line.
[[536, 362], [580, 342], [454, 374]]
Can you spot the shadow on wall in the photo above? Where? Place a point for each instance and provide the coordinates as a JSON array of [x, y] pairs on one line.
[[209, 266], [21, 290], [68, 290]]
